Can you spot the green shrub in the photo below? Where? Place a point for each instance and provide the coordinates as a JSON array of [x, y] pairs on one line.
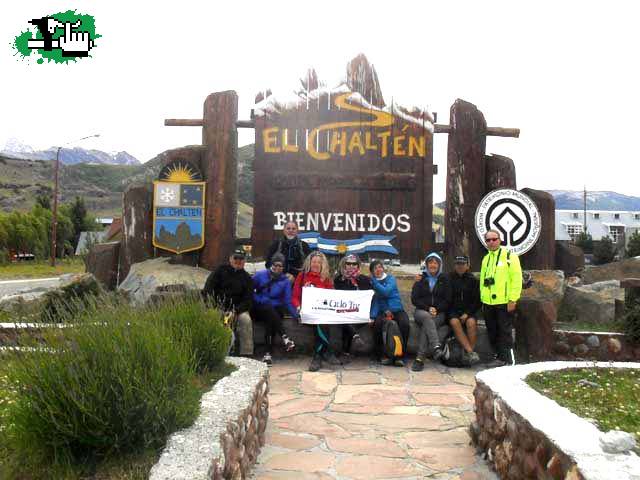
[[633, 247], [200, 327], [604, 251], [585, 242], [69, 300], [115, 383], [631, 322]]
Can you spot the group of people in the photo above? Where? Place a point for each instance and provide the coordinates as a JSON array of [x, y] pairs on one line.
[[444, 304]]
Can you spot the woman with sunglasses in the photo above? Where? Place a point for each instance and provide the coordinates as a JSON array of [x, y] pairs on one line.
[[271, 300], [350, 278], [316, 273]]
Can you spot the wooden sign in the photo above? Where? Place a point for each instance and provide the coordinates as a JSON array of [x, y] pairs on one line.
[[344, 169]]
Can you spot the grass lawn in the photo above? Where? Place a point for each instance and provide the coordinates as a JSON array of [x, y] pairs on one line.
[[134, 466], [41, 269], [614, 405]]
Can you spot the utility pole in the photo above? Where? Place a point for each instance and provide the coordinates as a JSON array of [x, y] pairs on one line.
[[54, 213], [584, 207]]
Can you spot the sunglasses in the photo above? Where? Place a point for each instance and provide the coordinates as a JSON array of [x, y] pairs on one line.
[[351, 264], [492, 239], [277, 265], [238, 257]]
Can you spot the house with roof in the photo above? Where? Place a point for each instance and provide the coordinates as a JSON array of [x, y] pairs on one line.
[[617, 225]]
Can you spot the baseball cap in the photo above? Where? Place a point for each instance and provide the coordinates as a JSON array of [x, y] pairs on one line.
[[461, 259], [239, 253]]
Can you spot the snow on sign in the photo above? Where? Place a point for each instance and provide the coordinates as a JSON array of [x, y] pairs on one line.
[[341, 162], [514, 215]]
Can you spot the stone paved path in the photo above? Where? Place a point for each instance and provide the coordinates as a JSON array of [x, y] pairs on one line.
[[366, 421]]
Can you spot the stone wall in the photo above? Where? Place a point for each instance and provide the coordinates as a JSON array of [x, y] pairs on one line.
[[600, 346], [527, 435], [226, 438]]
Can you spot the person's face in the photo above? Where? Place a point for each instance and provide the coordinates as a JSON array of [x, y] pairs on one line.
[[290, 230], [461, 268], [351, 268], [433, 266], [316, 264], [492, 240], [277, 268], [237, 262], [378, 270]]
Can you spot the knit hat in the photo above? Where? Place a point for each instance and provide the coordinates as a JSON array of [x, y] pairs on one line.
[[277, 258]]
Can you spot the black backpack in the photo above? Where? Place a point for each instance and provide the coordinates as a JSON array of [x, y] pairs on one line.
[[392, 339], [453, 353]]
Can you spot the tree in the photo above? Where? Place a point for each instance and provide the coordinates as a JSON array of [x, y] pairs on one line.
[[44, 201], [604, 251], [633, 248], [585, 242], [78, 214]]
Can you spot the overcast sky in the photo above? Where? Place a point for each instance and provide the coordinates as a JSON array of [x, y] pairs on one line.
[[565, 73]]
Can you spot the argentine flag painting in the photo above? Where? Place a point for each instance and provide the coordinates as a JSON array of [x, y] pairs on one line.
[[366, 243]]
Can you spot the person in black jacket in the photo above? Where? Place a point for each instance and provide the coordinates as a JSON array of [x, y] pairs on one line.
[[350, 278], [465, 303], [294, 250], [231, 288], [431, 295]]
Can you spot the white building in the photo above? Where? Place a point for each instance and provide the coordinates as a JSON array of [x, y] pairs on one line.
[[600, 223]]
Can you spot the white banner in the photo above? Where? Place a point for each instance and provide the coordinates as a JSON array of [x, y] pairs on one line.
[[325, 306]]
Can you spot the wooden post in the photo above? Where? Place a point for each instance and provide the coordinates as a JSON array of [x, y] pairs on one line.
[[219, 135], [465, 182], [543, 254]]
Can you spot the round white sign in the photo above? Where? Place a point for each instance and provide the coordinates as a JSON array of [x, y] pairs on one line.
[[514, 215]]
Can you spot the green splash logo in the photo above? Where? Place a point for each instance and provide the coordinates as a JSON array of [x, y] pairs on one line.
[[59, 37]]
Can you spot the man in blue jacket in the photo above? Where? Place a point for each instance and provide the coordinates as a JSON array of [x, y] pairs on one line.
[[271, 301]]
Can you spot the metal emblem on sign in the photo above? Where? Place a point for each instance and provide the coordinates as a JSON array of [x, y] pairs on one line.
[[178, 216], [514, 215]]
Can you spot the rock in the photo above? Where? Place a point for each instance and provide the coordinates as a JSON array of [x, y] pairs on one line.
[[465, 181], [500, 172], [588, 383], [569, 258], [562, 348], [574, 282], [629, 268], [102, 262], [146, 277], [575, 339], [616, 441], [547, 285], [593, 341], [580, 350], [543, 254], [534, 329], [594, 303], [614, 346]]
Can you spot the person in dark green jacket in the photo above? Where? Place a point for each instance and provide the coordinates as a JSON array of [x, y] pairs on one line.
[[500, 288]]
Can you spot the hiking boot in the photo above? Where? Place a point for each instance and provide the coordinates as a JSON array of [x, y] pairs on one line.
[[471, 357], [267, 359], [398, 362], [288, 344], [437, 353], [496, 362], [386, 361], [316, 363], [357, 344], [418, 365], [345, 358], [331, 358]]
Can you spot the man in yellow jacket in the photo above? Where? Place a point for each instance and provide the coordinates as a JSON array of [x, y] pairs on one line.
[[500, 288]]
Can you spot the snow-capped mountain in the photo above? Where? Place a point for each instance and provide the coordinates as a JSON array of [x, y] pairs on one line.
[[596, 200], [68, 156]]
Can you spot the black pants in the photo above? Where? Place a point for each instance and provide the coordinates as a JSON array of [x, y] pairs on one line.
[[322, 337], [348, 331], [499, 323], [272, 317], [402, 319]]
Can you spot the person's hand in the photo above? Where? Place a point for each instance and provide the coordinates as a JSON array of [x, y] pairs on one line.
[[75, 41], [511, 307], [371, 322], [388, 315], [433, 311], [418, 277], [463, 317]]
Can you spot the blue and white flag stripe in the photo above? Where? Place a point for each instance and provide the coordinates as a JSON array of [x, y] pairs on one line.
[[366, 243]]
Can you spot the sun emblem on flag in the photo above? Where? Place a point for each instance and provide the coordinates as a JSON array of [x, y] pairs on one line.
[[167, 195], [342, 248]]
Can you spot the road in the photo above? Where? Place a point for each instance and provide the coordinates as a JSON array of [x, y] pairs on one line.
[[12, 287]]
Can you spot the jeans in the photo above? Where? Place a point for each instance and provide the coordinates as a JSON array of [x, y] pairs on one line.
[[433, 330]]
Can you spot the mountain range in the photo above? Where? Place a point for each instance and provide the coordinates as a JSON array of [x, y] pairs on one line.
[[596, 200], [68, 156]]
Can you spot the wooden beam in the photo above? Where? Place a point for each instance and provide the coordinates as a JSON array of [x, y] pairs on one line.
[[491, 131], [183, 122], [246, 124]]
